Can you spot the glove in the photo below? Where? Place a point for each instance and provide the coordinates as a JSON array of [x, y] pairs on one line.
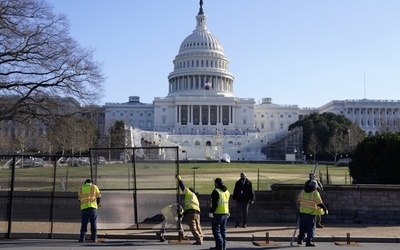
[[251, 202], [228, 215], [326, 211], [211, 215], [178, 177]]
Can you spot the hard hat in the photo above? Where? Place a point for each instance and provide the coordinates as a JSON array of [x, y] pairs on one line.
[[313, 184]]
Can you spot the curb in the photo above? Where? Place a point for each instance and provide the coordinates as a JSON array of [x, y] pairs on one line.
[[148, 236]]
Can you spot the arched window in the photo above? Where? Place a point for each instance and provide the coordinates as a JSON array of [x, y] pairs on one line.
[[208, 144], [197, 143]]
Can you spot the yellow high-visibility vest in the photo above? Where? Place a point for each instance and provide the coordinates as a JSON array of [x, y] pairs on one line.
[[309, 203], [87, 195], [191, 201], [223, 202]]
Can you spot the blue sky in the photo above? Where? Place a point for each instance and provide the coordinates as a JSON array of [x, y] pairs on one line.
[[304, 52]]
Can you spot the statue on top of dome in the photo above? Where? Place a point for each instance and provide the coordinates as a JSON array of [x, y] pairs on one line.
[[201, 7]]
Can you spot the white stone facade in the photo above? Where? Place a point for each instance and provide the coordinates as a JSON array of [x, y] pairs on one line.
[[203, 117], [372, 116]]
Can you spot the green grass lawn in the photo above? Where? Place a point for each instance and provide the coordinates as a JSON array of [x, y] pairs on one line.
[[201, 176], [153, 175]]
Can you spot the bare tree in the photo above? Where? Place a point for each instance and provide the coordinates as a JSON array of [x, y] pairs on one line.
[[73, 134], [314, 146], [42, 69], [354, 136], [336, 144]]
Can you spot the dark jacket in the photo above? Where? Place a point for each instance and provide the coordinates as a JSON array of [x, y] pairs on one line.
[[243, 192], [215, 198]]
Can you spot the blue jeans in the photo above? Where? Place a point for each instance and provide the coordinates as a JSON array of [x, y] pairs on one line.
[[307, 226], [88, 214], [219, 230]]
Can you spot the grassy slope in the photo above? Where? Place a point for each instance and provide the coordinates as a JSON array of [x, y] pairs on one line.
[[156, 175]]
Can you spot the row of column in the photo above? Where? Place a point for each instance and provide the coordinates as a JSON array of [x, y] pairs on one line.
[[198, 82], [190, 114], [389, 115]]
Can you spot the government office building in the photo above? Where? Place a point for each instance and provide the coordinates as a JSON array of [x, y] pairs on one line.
[[201, 114]]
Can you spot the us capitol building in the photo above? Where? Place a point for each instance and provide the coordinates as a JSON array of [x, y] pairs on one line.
[[205, 119]]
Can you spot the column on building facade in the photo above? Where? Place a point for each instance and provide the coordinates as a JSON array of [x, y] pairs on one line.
[[187, 115], [176, 112], [175, 84], [200, 115], [373, 117], [378, 119], [233, 119], [190, 114], [209, 115], [219, 114]]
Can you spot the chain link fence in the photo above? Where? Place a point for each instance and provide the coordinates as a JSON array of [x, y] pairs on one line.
[[40, 191]]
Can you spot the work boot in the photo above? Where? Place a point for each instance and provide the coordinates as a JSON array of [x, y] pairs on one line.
[[311, 244], [162, 239], [215, 248], [299, 241], [319, 225]]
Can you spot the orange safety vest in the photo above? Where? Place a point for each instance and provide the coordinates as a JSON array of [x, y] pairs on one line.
[[309, 203], [87, 195]]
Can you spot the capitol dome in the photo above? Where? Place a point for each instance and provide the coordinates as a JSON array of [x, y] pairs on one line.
[[201, 64]]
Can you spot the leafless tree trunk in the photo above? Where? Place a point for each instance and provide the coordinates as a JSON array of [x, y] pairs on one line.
[[314, 146], [336, 145], [43, 71]]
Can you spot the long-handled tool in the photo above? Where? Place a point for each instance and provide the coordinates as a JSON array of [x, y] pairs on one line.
[[298, 219], [295, 230]]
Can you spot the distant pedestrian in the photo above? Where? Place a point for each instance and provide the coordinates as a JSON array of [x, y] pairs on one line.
[[89, 197], [243, 194], [310, 205], [219, 213]]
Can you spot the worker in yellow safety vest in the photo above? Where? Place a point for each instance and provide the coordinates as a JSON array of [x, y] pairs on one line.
[[89, 198], [311, 205], [320, 188], [192, 211], [219, 213]]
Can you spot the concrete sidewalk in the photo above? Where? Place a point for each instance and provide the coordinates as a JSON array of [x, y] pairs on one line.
[[276, 232], [282, 232]]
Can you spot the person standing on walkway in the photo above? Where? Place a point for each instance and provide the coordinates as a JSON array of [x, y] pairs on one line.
[[219, 213], [192, 211], [243, 194], [320, 188], [89, 197], [310, 205]]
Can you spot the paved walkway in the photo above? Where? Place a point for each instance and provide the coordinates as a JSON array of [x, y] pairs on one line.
[[277, 232]]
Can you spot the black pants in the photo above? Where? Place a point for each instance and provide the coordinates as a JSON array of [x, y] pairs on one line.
[[242, 212]]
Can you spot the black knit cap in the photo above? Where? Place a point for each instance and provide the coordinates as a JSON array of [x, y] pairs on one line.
[[219, 181], [88, 181]]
